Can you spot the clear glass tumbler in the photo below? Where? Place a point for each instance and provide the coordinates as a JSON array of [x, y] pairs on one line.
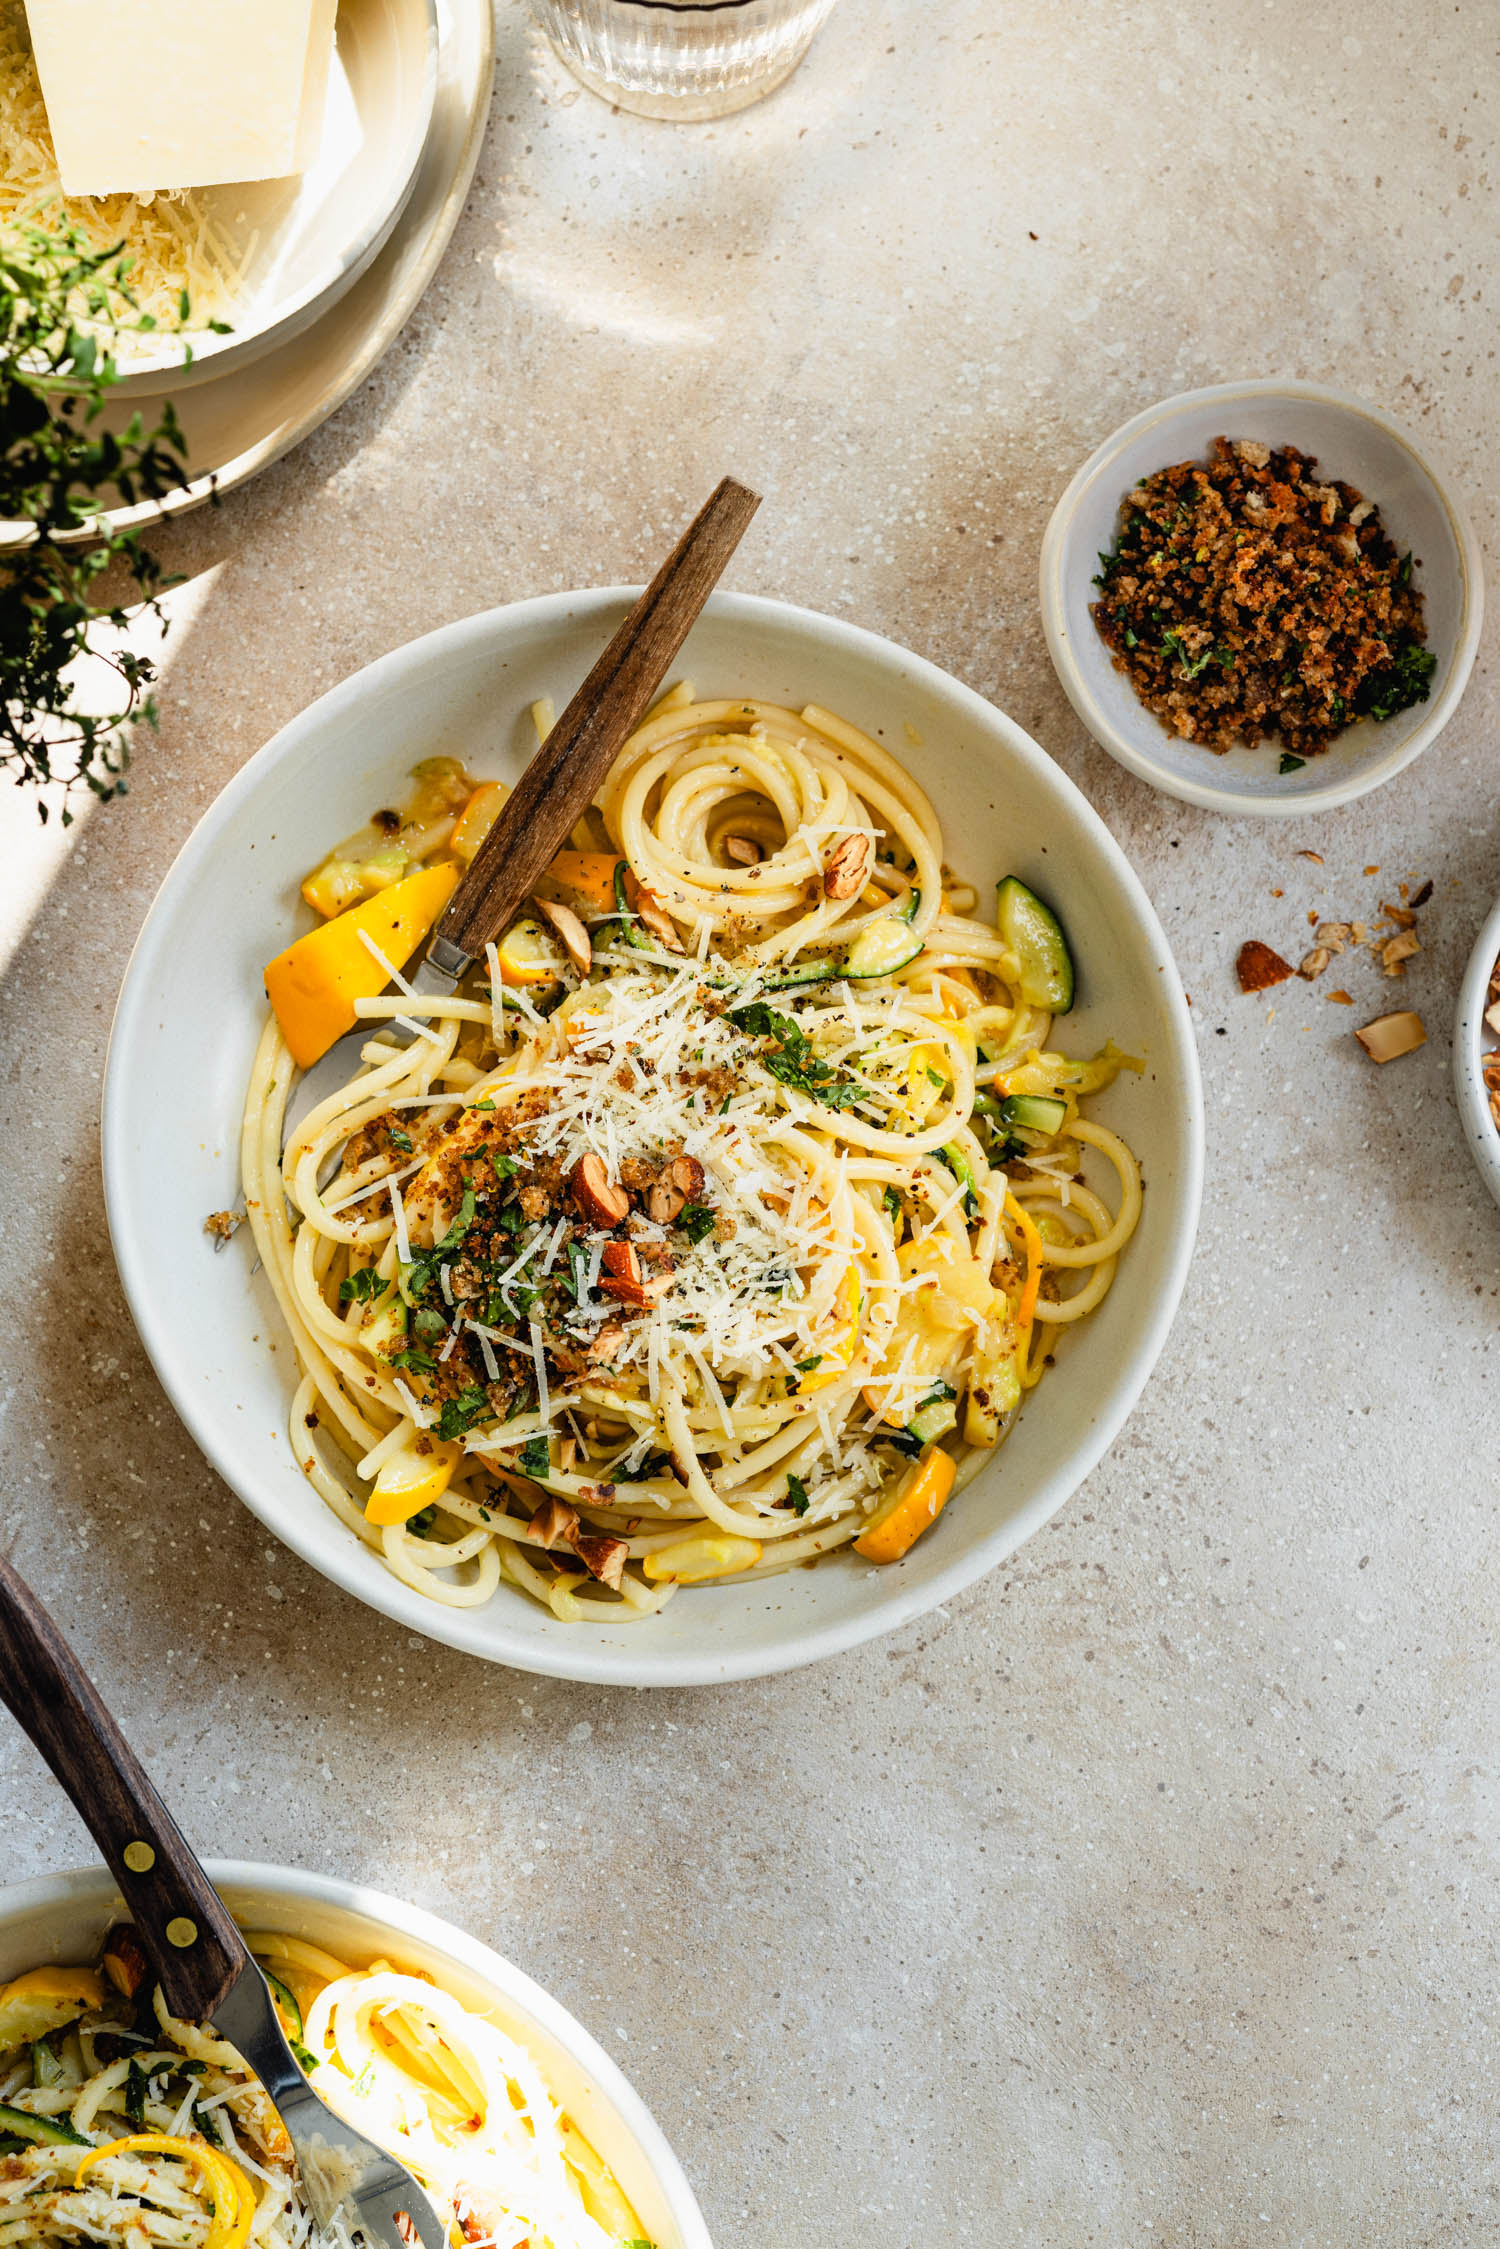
[[687, 59]]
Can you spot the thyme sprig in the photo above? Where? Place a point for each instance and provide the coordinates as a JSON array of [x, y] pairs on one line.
[[58, 471]]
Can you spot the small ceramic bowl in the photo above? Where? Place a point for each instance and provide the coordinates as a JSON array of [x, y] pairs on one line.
[[1472, 1039], [63, 1917], [1351, 441]]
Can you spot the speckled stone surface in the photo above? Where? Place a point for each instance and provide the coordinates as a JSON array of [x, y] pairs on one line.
[[1148, 1893]]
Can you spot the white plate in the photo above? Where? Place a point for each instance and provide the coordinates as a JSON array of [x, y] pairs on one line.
[[1472, 1039], [1351, 441], [237, 423], [192, 1008], [313, 236], [62, 1917]]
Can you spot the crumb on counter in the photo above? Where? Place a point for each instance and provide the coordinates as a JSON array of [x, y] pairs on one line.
[[1243, 599]]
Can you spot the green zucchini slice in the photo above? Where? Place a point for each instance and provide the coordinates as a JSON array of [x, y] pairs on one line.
[[42, 2131], [881, 949], [1034, 934], [1034, 1112]]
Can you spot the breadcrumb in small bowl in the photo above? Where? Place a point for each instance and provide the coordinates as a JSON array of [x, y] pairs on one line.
[[1355, 447], [1476, 1052]]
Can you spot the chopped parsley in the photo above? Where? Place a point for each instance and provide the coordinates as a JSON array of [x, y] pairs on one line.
[[891, 1201], [793, 1060], [359, 1287], [796, 1492], [400, 1139], [536, 1460], [460, 1414], [1289, 764], [696, 1221]]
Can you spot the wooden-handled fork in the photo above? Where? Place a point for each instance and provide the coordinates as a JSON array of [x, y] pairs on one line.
[[565, 775], [198, 1956]]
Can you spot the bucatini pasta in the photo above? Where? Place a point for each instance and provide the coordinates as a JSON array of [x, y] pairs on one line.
[[121, 2125], [726, 1215]]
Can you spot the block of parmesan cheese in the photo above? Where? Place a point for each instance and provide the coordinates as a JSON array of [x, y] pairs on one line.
[[145, 94]]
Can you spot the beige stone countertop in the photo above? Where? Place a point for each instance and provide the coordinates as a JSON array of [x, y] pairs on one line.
[[1148, 1892]]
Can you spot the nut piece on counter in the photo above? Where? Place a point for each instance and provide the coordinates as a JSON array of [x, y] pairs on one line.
[[1391, 1036], [1258, 967], [1313, 964], [1395, 953]]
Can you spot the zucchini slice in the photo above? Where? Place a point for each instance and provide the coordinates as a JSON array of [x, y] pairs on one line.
[[286, 2006], [881, 949], [935, 1416], [42, 2131], [1035, 935], [1034, 1112], [820, 971]]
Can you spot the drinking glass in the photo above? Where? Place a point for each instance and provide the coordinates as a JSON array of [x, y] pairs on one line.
[[687, 59]]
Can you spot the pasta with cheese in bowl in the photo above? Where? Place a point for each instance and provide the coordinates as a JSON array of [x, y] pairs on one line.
[[121, 2124], [726, 1216], [758, 1246]]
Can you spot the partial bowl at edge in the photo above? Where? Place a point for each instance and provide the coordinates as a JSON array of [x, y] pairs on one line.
[[62, 1918], [1351, 441], [1470, 1041]]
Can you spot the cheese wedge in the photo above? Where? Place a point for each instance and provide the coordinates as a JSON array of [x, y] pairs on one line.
[[153, 94]]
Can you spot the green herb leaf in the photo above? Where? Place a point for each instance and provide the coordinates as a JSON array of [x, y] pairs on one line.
[[400, 1139], [891, 1200], [796, 1492], [359, 1287], [696, 1221], [536, 1459], [460, 1414], [1290, 764], [461, 1224]]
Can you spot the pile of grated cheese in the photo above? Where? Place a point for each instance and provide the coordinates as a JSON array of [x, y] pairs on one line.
[[174, 241]]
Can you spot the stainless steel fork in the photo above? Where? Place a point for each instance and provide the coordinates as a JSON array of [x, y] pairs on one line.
[[198, 1955]]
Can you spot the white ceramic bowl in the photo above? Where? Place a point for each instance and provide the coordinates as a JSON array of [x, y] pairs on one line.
[[62, 1917], [1472, 1038], [192, 1008], [313, 236], [1351, 441]]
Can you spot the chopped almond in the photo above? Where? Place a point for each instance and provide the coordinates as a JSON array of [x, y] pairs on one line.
[[123, 1961], [1372, 870], [621, 1276], [571, 930], [1391, 1036], [741, 851], [1344, 999], [1492, 1018], [1422, 895], [846, 867], [1313, 964], [554, 1524], [602, 1556], [1333, 934], [567, 1453], [660, 923], [1315, 856], [1398, 950], [597, 1195], [1401, 916], [1258, 967]]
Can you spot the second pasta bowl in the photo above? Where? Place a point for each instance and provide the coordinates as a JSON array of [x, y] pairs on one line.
[[646, 1305]]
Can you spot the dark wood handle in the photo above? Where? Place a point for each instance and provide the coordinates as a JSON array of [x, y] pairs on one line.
[[189, 1939], [565, 776]]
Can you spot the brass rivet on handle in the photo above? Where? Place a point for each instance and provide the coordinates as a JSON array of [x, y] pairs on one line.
[[139, 1857], [182, 1932]]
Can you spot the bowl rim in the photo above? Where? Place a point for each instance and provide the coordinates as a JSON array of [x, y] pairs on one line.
[[83, 1885], [1057, 550], [223, 355], [1468, 1044], [581, 1658]]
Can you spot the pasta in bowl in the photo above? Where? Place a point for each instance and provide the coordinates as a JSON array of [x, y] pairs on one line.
[[722, 1219], [121, 2124], [890, 1134]]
